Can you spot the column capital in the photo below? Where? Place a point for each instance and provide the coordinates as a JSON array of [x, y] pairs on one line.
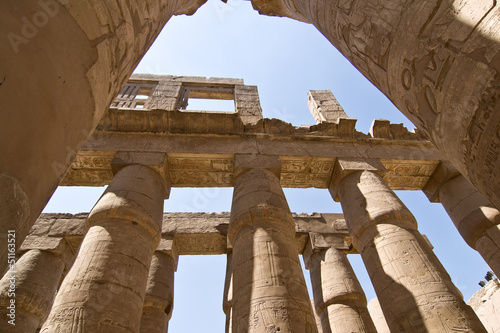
[[321, 242], [442, 174], [156, 161], [245, 162], [168, 245], [346, 166], [136, 195], [56, 245]]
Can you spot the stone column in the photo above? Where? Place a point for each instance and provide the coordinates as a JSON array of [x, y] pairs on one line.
[[269, 290], [51, 107], [227, 300], [339, 299], [159, 299], [474, 216], [437, 61], [378, 316], [29, 288], [104, 290], [414, 290]]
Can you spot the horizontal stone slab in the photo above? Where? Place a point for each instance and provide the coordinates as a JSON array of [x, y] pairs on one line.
[[194, 233]]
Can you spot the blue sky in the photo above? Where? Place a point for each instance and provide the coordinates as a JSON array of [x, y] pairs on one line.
[[285, 59]]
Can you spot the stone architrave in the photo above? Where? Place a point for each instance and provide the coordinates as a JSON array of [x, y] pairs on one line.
[[104, 290], [477, 221], [414, 290], [437, 61], [32, 285], [159, 298], [339, 299], [41, 129], [269, 290]]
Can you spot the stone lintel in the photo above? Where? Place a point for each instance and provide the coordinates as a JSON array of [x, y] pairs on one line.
[[346, 166], [155, 161], [200, 80], [190, 233], [244, 162], [443, 173], [303, 164], [64, 227]]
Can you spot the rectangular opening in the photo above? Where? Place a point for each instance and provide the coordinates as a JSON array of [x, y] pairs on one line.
[[144, 91], [198, 104]]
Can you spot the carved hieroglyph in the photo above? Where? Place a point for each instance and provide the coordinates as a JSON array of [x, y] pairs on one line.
[[477, 221], [47, 118], [339, 299], [438, 61], [269, 291], [104, 290], [414, 290], [35, 279]]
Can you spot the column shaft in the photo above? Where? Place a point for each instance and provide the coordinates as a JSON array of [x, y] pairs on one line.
[[338, 297], [269, 290], [227, 300], [32, 285], [414, 290], [159, 299], [475, 218], [104, 290]]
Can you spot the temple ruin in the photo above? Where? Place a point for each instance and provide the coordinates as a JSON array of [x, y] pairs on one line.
[[82, 119], [118, 261]]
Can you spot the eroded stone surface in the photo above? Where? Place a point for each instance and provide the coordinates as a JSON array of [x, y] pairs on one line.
[[486, 304], [269, 291], [437, 61], [476, 219], [338, 297], [104, 290], [159, 297], [46, 119], [414, 290], [35, 279]]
